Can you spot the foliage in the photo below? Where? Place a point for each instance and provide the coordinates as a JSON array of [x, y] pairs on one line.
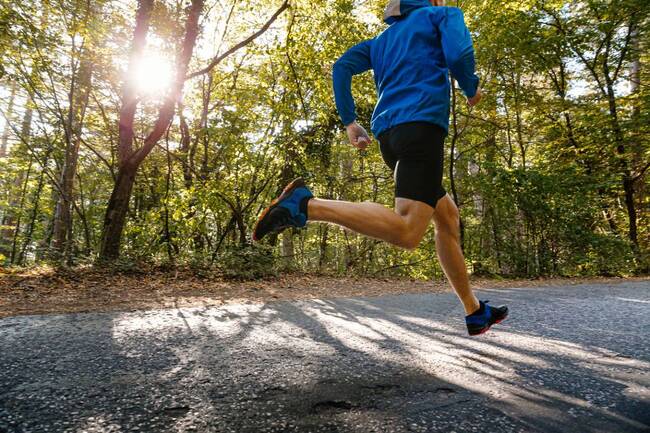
[[248, 262], [550, 171]]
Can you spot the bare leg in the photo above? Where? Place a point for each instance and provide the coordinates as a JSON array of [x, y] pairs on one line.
[[450, 254], [403, 227]]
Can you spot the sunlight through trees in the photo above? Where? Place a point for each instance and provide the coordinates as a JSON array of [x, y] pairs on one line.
[[156, 131]]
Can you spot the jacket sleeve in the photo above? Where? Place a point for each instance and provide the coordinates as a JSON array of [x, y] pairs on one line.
[[355, 61], [458, 50]]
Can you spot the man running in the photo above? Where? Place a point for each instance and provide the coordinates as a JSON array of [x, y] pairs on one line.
[[411, 61]]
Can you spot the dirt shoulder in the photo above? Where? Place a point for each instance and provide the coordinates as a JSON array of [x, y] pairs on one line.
[[43, 290]]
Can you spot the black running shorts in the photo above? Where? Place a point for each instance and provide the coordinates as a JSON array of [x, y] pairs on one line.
[[415, 153]]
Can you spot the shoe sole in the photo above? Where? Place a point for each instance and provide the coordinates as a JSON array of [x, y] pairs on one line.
[[296, 183], [484, 330]]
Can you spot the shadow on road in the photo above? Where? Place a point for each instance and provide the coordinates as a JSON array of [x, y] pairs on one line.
[[393, 364]]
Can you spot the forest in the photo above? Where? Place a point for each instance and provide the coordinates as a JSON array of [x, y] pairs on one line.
[[156, 131]]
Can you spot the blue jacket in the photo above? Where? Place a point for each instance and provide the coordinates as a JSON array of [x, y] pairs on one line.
[[410, 60]]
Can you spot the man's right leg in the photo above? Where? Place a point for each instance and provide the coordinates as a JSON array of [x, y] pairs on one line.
[[450, 254], [403, 227]]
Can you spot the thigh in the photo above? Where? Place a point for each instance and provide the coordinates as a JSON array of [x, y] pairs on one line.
[[419, 148]]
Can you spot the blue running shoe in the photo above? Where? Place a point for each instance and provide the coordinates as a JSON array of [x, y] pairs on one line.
[[288, 210], [480, 321]]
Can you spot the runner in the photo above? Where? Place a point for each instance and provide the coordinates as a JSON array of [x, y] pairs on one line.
[[411, 61]]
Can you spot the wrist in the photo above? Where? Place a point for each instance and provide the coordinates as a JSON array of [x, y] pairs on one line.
[[474, 88]]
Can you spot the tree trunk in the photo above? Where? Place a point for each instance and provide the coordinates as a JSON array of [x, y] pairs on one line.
[[169, 242], [80, 93], [351, 251], [627, 178], [6, 212], [188, 149], [520, 139], [241, 226], [322, 257], [16, 231], [9, 220], [287, 249], [130, 159], [82, 217], [32, 221], [118, 206]]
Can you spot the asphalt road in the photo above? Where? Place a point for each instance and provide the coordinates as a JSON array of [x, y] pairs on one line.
[[568, 359]]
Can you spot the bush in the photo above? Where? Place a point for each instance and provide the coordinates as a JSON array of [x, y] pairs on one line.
[[533, 223], [247, 262]]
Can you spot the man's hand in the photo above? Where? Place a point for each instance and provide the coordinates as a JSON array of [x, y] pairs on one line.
[[357, 135], [474, 99]]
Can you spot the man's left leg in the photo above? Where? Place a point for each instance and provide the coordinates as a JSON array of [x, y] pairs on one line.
[[450, 254], [405, 228]]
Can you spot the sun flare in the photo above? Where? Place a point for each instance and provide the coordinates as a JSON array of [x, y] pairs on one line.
[[152, 74]]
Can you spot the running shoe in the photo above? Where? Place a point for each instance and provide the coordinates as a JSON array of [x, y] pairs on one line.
[[288, 210], [480, 321]]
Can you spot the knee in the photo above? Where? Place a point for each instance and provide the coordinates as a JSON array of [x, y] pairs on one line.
[[448, 220], [409, 240]]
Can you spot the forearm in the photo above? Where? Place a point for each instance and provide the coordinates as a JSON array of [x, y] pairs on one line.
[[458, 49], [342, 82], [354, 61], [463, 73]]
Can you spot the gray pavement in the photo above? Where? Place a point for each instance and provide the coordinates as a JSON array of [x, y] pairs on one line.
[[569, 359]]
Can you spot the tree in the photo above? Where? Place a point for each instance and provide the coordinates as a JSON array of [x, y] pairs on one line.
[[130, 159]]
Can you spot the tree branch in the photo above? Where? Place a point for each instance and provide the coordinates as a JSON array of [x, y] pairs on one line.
[[100, 156], [624, 50], [219, 58]]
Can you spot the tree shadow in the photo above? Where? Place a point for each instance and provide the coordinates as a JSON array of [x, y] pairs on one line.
[[394, 363]]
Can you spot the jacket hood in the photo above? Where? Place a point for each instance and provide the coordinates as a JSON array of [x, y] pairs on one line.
[[400, 8]]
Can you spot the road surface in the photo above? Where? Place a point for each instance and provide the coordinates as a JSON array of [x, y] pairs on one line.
[[568, 359]]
